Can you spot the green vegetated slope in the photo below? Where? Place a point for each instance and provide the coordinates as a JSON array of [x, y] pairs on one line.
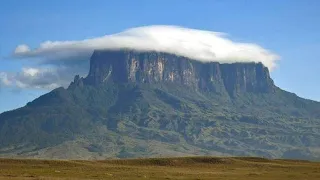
[[151, 120]]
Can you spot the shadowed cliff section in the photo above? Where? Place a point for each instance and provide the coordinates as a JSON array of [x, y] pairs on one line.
[[151, 104]]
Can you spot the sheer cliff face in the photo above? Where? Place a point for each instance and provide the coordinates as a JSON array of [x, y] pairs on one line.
[[123, 66]]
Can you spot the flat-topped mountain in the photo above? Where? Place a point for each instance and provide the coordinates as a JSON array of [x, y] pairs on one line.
[[147, 104], [128, 66]]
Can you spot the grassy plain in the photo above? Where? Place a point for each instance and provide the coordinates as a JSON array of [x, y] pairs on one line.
[[194, 168]]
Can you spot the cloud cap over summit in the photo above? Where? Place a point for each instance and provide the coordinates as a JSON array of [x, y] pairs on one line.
[[196, 44]]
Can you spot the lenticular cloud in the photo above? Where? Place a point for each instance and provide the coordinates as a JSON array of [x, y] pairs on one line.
[[61, 60], [196, 44]]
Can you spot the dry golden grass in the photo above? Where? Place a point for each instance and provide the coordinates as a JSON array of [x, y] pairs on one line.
[[161, 168]]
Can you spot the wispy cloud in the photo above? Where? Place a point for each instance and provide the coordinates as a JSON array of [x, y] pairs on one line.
[[196, 44]]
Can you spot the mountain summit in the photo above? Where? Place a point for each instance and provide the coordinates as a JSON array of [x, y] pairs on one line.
[[146, 104], [129, 66]]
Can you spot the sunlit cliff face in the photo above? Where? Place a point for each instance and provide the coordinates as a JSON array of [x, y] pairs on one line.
[[123, 66]]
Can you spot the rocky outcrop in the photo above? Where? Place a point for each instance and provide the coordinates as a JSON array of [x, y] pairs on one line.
[[78, 81], [123, 66]]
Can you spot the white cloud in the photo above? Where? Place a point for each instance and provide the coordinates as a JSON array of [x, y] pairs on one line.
[[4, 80], [196, 44], [39, 78], [65, 58], [31, 71], [21, 49]]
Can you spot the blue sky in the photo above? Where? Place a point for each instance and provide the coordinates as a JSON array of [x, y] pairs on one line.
[[290, 28]]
